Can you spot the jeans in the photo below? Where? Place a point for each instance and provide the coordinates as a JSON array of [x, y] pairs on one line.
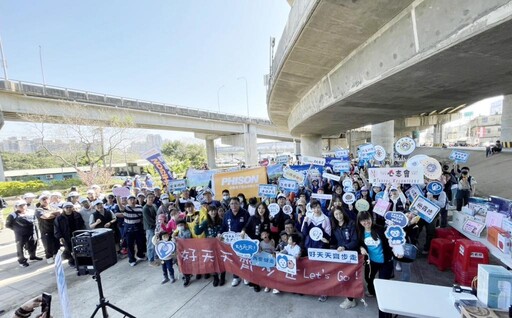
[[134, 236], [462, 198], [167, 266], [406, 271], [150, 247]]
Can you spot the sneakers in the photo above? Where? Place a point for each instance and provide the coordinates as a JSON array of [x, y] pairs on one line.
[[424, 252], [124, 251], [154, 263], [35, 258], [24, 264], [246, 282], [257, 288], [266, 289], [346, 304], [133, 264], [398, 267], [367, 294], [275, 291], [322, 299], [173, 280], [165, 280], [186, 283], [50, 260], [235, 282], [142, 258]]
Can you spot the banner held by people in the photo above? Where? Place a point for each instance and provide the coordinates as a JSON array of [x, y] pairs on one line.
[[157, 159]]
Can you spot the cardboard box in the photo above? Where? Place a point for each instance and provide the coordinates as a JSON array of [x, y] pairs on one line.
[[504, 242], [492, 234], [494, 286]]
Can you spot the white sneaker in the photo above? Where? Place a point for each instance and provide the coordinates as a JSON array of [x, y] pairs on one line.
[[346, 304], [275, 291], [235, 282], [398, 267], [142, 258], [246, 282], [133, 264], [49, 260], [267, 289]]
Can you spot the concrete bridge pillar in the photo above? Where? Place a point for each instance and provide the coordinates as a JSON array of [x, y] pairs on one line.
[[210, 153], [2, 175], [438, 135], [383, 134], [311, 145], [296, 144], [250, 145], [506, 122]]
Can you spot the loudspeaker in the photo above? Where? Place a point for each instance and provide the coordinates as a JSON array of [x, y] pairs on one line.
[[94, 250]]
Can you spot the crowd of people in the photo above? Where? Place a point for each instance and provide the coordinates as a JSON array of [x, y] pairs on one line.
[[150, 213]]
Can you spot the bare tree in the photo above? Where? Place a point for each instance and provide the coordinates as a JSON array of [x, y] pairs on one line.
[[93, 134]]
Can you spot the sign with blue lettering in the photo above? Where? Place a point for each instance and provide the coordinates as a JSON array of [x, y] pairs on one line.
[[282, 159], [245, 248], [317, 161], [62, 286], [263, 259], [177, 185], [426, 209], [267, 190], [413, 192], [435, 187], [165, 249], [274, 171], [286, 263], [366, 151], [459, 156], [341, 166], [333, 256], [230, 237], [290, 185], [342, 153], [396, 218], [395, 235]]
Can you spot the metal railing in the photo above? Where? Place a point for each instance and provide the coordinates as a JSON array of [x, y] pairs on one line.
[[62, 93]]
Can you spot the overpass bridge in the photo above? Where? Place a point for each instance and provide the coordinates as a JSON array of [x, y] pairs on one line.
[[345, 64], [21, 98]]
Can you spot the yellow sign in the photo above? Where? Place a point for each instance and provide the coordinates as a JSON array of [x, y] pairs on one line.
[[244, 181]]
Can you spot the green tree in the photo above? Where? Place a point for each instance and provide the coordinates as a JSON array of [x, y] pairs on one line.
[[181, 156]]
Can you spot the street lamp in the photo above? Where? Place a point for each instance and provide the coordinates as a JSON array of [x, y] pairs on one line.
[[246, 93], [218, 98]]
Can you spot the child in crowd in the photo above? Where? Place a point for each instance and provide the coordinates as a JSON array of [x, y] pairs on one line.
[[283, 241], [162, 232], [293, 247], [182, 232], [267, 245]]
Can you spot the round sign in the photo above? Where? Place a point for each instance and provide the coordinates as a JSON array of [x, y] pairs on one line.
[[415, 161], [348, 189], [274, 208], [316, 234], [380, 153], [349, 198], [405, 146], [432, 168], [435, 187], [287, 209], [362, 205], [347, 183]]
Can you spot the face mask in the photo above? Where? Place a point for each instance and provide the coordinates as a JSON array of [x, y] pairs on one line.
[[180, 228], [165, 201], [225, 197]]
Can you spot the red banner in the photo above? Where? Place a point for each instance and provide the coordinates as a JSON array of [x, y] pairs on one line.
[[204, 256]]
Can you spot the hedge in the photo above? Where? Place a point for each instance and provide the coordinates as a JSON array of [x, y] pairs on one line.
[[16, 188]]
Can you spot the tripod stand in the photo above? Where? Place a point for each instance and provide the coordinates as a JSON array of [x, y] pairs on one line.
[[104, 303]]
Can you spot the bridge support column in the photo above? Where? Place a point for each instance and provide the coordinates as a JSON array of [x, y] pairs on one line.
[[311, 145], [210, 153], [383, 134], [250, 145], [506, 122], [438, 135], [2, 175]]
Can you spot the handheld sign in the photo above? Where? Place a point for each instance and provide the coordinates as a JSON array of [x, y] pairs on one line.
[[331, 176], [274, 209], [286, 263], [293, 175], [341, 166], [282, 159], [380, 153], [245, 248], [62, 287], [287, 209], [397, 218], [415, 161], [122, 192], [321, 196], [285, 184], [395, 235], [322, 255], [177, 185], [349, 198], [432, 168], [405, 146], [459, 156], [362, 205], [379, 195], [413, 192], [366, 151], [317, 161], [230, 236], [342, 153], [165, 249], [263, 259], [381, 206], [435, 187], [316, 234], [267, 190], [425, 208], [347, 182]]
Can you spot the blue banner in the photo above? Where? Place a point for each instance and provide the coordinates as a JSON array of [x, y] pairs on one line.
[[199, 178], [274, 171], [157, 159]]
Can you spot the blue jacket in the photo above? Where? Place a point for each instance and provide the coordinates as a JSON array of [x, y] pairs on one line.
[[235, 223], [346, 237]]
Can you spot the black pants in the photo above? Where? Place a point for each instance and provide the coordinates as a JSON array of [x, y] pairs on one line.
[[68, 251], [462, 198], [50, 243], [430, 229], [28, 242], [385, 271], [135, 236]]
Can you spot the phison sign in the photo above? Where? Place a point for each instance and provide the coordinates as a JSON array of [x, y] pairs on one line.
[[245, 181]]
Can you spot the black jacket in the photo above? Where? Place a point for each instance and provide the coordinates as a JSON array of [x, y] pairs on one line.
[[388, 252], [61, 226]]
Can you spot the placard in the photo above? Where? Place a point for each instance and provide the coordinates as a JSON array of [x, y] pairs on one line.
[[267, 190], [287, 209], [317, 161], [395, 175], [122, 192], [263, 259], [293, 175], [413, 192], [347, 182], [425, 208], [435, 187], [494, 219], [459, 156], [286, 263], [331, 176], [342, 153], [274, 209], [245, 248], [333, 256], [397, 218], [282, 159], [415, 161], [341, 166], [165, 249], [380, 153], [246, 181], [405, 146], [348, 198], [321, 196], [177, 185], [366, 151], [473, 227], [290, 185], [230, 237], [62, 287], [316, 234], [432, 168], [381, 207], [362, 205]]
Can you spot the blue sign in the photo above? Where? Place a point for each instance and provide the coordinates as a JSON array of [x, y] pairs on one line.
[[245, 248], [459, 156], [290, 185], [157, 159], [199, 178], [343, 153], [397, 218], [435, 187], [379, 195], [263, 259], [165, 249], [267, 190], [274, 171], [395, 235]]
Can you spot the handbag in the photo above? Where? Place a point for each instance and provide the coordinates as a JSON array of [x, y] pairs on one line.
[[410, 251]]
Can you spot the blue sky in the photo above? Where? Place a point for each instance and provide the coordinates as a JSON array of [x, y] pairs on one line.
[[177, 52]]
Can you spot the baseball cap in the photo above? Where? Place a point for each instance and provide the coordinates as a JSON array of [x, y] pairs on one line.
[[132, 197], [97, 202], [90, 191], [56, 194], [20, 203], [73, 194], [207, 191], [82, 200], [67, 204], [393, 188], [43, 196], [29, 195], [164, 197], [141, 195], [280, 195]]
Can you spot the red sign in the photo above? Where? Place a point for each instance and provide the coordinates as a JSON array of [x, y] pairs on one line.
[[206, 256], [264, 162]]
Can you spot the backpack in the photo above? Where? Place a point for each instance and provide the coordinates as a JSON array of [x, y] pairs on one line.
[[3, 204]]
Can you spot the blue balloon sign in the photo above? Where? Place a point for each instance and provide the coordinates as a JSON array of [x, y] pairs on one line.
[[397, 218], [245, 248], [435, 187], [263, 259], [165, 249], [395, 235]]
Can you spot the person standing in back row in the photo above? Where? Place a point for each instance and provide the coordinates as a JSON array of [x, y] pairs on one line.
[[465, 188]]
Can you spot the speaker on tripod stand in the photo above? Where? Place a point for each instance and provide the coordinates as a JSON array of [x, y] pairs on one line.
[[95, 251]]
